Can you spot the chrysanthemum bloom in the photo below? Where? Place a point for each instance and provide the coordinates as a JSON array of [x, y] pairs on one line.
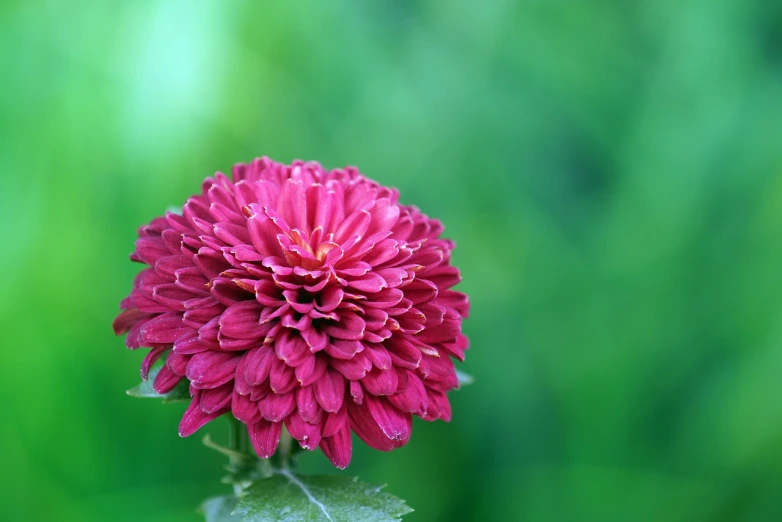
[[300, 296]]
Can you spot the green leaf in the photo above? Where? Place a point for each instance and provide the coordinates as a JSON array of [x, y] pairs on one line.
[[322, 498], [145, 390], [464, 379], [220, 509]]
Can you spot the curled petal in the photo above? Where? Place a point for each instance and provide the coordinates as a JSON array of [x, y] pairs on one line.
[[217, 398], [387, 298], [355, 225], [341, 349], [263, 235], [392, 430], [210, 263], [315, 339], [307, 434], [350, 327], [211, 369], [312, 369], [265, 436], [455, 300], [330, 298], [370, 282], [244, 409], [353, 369], [258, 365], [167, 266], [338, 447], [241, 320], [166, 380], [382, 252], [396, 425], [330, 391], [421, 291], [195, 417], [439, 407], [357, 392], [275, 407], [380, 382], [443, 277], [335, 421], [378, 356], [163, 329], [384, 216], [291, 348], [282, 378], [307, 405], [413, 399], [127, 319], [150, 359], [178, 362], [403, 353]]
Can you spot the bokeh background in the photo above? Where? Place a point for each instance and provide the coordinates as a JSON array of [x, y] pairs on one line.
[[611, 171]]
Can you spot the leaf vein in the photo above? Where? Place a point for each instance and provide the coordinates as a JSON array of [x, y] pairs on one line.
[[296, 482]]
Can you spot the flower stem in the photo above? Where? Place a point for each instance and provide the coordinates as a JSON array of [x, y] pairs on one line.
[[240, 462], [237, 436], [285, 447], [234, 434]]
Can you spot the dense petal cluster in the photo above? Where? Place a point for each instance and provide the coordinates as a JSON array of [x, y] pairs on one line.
[[296, 295]]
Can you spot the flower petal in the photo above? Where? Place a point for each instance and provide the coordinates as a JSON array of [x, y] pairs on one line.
[[370, 282], [351, 327], [357, 392], [439, 407], [263, 235], [380, 382], [241, 320], [353, 369], [291, 348], [282, 377], [312, 369], [275, 407], [244, 409], [307, 434], [307, 405], [166, 380], [367, 429], [150, 359], [212, 369], [127, 319], [315, 339], [195, 417], [336, 421], [217, 398], [163, 329], [396, 425], [338, 448], [413, 398], [341, 349], [330, 391], [265, 436], [378, 355], [258, 365], [403, 352]]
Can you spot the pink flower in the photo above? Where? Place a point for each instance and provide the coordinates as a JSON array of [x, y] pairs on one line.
[[300, 296]]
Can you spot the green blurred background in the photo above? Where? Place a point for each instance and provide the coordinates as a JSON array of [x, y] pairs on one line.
[[611, 171]]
